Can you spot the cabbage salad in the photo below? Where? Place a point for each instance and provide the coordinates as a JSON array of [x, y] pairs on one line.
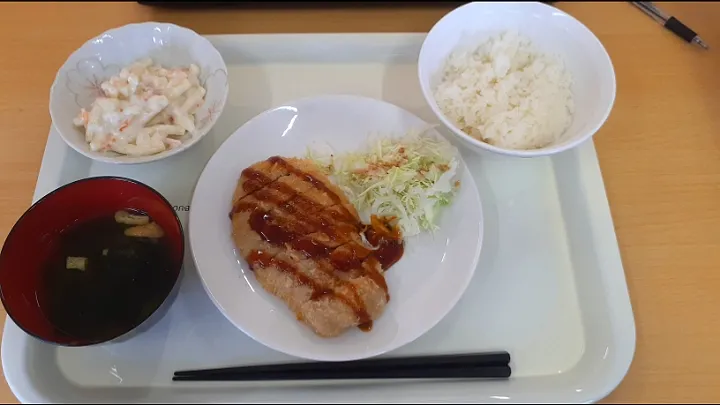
[[410, 178]]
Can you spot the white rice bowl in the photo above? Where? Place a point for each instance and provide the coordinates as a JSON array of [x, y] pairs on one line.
[[507, 93], [550, 30]]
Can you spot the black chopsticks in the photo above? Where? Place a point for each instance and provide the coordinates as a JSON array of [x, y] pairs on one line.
[[494, 365]]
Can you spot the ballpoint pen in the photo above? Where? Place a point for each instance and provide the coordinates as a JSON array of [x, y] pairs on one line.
[[671, 23]]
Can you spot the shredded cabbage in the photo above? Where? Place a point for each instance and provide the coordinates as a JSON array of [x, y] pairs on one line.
[[409, 178]]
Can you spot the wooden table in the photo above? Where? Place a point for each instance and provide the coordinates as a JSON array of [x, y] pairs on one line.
[[659, 151]]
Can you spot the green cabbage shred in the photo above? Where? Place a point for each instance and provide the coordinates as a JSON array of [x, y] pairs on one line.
[[410, 178]]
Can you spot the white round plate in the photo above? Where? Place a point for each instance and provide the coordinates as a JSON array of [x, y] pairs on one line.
[[424, 285]]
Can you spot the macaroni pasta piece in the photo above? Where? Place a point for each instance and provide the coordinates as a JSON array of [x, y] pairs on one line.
[[145, 110]]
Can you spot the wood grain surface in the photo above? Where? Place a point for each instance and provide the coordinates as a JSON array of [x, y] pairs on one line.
[[659, 151]]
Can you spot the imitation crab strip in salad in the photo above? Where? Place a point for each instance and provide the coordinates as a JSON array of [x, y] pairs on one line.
[[146, 108], [409, 179]]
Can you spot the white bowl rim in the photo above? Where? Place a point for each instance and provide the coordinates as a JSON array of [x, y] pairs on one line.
[[139, 159], [550, 150]]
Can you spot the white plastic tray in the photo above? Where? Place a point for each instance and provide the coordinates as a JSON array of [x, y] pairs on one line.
[[550, 286]]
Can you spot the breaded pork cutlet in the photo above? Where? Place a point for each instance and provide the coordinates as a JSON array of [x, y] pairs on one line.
[[302, 238]]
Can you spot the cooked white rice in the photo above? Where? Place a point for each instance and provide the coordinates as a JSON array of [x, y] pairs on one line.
[[507, 93]]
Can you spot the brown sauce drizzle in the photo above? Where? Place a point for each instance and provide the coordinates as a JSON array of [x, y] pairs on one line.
[[311, 248], [366, 327], [338, 225], [261, 222], [257, 259], [312, 222], [308, 177], [254, 180], [295, 201], [349, 257], [317, 294], [389, 250], [376, 276]]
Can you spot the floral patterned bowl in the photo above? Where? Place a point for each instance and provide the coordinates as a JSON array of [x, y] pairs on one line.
[[78, 81]]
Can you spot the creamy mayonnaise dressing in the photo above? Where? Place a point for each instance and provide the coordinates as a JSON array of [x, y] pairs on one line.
[[146, 108]]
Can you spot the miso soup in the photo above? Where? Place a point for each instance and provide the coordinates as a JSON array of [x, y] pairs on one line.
[[107, 276]]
